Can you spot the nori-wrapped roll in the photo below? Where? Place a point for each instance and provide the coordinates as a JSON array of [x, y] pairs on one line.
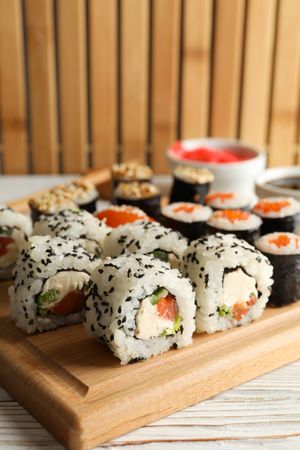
[[278, 214], [227, 200], [187, 218], [190, 184], [283, 251], [242, 223], [145, 196]]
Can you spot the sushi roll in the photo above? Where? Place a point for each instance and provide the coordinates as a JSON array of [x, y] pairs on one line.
[[147, 238], [190, 184], [145, 196], [114, 215], [50, 202], [227, 200], [51, 279], [83, 193], [128, 172], [139, 307], [187, 218], [277, 213], [242, 223], [15, 228], [232, 281], [74, 224], [283, 250]]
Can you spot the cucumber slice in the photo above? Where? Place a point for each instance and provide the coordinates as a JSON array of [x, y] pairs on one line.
[[159, 293], [161, 254]]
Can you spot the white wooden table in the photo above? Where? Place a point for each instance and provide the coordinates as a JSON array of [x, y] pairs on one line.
[[261, 414]]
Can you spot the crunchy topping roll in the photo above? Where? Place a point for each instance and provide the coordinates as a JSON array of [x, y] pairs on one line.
[[136, 190], [193, 175], [52, 201], [131, 171]]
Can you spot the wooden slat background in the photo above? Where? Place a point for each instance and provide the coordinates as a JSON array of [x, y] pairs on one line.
[[84, 83]]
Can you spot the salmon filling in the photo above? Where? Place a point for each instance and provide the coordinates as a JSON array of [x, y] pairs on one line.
[[8, 248], [63, 294], [239, 295], [158, 315]]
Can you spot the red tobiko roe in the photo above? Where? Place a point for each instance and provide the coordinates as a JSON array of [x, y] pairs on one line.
[[209, 155]]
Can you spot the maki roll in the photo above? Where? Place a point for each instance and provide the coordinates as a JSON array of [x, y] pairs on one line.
[[139, 307], [277, 213], [242, 223], [227, 200], [114, 215], [187, 218], [232, 281], [74, 224], [147, 238], [51, 279], [190, 184], [50, 202], [83, 193], [145, 196], [128, 172], [283, 250], [15, 228]]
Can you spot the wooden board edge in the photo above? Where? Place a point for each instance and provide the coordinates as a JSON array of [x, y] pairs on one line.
[[80, 429]]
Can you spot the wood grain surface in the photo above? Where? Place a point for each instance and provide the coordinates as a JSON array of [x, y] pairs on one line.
[[85, 385]]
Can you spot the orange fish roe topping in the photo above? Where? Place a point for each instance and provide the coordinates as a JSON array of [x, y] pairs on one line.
[[267, 207], [219, 196], [232, 215], [283, 241], [185, 208]]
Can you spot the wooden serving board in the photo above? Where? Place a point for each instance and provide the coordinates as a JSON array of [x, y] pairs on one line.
[[79, 391]]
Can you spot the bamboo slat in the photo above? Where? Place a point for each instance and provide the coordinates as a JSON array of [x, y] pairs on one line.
[[260, 29], [165, 78], [42, 85], [72, 84], [196, 67], [285, 103], [103, 81], [12, 88], [134, 85], [226, 74]]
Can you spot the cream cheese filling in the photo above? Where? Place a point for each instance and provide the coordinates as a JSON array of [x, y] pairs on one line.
[[65, 282], [148, 322], [237, 287]]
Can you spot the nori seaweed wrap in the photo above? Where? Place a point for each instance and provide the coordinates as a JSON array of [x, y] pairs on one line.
[[190, 184], [145, 196], [283, 251], [278, 214]]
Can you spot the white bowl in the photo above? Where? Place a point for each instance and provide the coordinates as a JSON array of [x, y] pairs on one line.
[[264, 189], [237, 176]]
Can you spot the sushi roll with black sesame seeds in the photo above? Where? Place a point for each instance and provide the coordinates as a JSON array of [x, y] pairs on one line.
[[82, 192], [283, 250], [74, 224], [277, 214], [145, 196], [232, 281], [187, 218], [51, 279], [139, 307], [15, 228], [242, 223], [147, 238], [190, 184], [227, 200]]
